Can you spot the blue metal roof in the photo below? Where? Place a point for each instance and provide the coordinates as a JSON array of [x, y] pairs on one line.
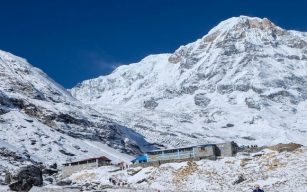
[[140, 158]]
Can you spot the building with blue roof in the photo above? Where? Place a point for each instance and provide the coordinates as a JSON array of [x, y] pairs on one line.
[[206, 151]]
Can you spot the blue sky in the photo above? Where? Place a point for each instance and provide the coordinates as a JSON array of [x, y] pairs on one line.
[[74, 40]]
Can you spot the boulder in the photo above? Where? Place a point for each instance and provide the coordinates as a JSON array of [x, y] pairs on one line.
[[64, 182], [239, 180], [150, 104], [26, 177], [201, 100], [20, 186], [252, 103], [50, 171], [225, 89], [49, 180], [54, 165]]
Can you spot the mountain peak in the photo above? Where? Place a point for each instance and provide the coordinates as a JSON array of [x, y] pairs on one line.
[[243, 25], [251, 33], [244, 22], [245, 66]]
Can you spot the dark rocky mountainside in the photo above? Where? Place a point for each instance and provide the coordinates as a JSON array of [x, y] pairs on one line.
[[40, 121]]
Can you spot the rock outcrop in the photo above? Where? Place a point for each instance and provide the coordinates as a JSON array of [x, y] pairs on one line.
[[26, 177]]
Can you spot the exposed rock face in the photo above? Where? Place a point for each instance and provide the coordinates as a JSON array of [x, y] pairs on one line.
[[11, 159], [201, 100], [245, 70], [150, 104], [20, 186], [251, 103]]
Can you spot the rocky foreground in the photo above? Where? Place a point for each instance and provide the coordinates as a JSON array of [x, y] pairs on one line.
[[281, 167]]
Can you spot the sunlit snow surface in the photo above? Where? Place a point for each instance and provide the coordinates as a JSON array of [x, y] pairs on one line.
[[245, 81]]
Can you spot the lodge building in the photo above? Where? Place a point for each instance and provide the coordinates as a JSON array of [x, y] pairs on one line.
[[157, 157], [207, 151], [76, 166]]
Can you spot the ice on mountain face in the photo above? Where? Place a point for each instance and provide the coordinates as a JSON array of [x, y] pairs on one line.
[[246, 71], [40, 121]]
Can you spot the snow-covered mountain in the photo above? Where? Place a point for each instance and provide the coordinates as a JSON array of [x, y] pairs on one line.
[[246, 81], [40, 121]]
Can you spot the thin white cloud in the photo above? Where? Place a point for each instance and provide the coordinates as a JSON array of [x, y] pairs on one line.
[[99, 62]]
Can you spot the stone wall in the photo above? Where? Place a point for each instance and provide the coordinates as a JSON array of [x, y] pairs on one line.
[[205, 151], [225, 149], [68, 170]]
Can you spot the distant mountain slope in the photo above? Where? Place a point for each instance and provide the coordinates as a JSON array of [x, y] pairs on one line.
[[40, 121], [246, 80]]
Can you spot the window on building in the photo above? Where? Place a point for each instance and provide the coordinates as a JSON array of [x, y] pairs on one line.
[[82, 162], [155, 153], [203, 148], [92, 161], [186, 149], [171, 151]]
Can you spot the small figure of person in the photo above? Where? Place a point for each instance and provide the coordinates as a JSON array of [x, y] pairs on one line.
[[257, 189]]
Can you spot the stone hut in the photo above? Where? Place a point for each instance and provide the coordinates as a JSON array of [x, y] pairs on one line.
[[73, 167]]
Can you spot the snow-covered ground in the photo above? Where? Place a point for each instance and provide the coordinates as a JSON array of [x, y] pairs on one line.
[[273, 171], [45, 189], [48, 145]]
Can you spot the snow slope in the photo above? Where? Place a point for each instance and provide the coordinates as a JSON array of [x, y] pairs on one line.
[[245, 81], [41, 122]]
